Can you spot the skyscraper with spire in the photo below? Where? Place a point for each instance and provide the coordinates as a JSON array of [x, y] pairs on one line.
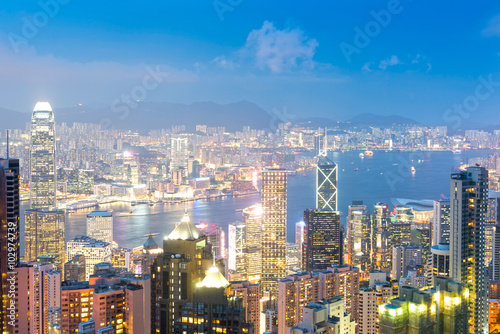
[[43, 158]]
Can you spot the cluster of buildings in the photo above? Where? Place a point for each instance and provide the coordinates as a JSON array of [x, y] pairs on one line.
[[420, 268]]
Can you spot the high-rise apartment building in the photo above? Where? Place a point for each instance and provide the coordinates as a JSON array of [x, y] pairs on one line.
[[323, 240], [43, 158], [274, 205], [74, 270], [326, 184], [468, 205], [250, 295], [95, 251], [405, 256], [441, 222], [9, 231], [216, 237], [100, 226]]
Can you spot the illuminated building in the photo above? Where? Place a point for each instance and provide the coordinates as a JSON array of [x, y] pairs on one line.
[[9, 229], [149, 252], [355, 206], [77, 302], [413, 279], [422, 237], [468, 199], [292, 258], [495, 260], [216, 237], [441, 222], [95, 251], [324, 316], [44, 234], [489, 236], [250, 296], [441, 309], [493, 213], [74, 270], [381, 248], [294, 292], [86, 181], [274, 205], [42, 158], [403, 257], [137, 303], [299, 237], [326, 184], [399, 233], [178, 152], [252, 218], [212, 310], [130, 168], [100, 226], [323, 240], [175, 274], [121, 258], [440, 260], [361, 239], [404, 214], [342, 281], [236, 248], [369, 300]]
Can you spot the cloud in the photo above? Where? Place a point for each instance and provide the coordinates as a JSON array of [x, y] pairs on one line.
[[394, 60], [280, 50], [223, 62], [366, 67], [493, 28]]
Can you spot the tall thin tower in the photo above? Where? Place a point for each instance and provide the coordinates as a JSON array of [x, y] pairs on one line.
[[43, 158], [468, 205], [274, 185], [326, 180]]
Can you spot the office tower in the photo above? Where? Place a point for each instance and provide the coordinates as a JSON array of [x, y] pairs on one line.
[[44, 234], [149, 252], [9, 231], [381, 249], [292, 258], [404, 214], [250, 295], [494, 315], [100, 226], [318, 143], [403, 257], [323, 240], [369, 300], [342, 281], [441, 222], [274, 185], [299, 237], [399, 233], [179, 152], [294, 292], [326, 184], [489, 232], [175, 274], [211, 310], [361, 239], [236, 248], [422, 236], [216, 237], [43, 158], [468, 199], [131, 171], [440, 261], [252, 218], [95, 251], [493, 213], [74, 270], [355, 206], [440, 309], [495, 261], [325, 316]]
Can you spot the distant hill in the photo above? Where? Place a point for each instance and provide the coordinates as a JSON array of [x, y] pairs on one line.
[[381, 121], [13, 119]]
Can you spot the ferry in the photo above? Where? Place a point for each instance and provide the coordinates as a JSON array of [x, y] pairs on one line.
[[413, 170], [456, 151], [369, 153], [361, 155]]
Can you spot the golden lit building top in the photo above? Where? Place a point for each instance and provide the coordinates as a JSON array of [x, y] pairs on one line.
[[185, 230], [214, 279]]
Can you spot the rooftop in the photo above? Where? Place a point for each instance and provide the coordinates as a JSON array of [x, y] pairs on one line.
[[214, 279], [185, 230], [100, 214]]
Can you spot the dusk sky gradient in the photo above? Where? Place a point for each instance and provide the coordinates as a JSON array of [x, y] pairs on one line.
[[276, 54]]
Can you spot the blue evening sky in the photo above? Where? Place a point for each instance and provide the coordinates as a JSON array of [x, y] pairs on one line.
[[428, 56]]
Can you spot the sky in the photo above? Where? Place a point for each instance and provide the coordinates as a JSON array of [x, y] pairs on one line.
[[431, 61]]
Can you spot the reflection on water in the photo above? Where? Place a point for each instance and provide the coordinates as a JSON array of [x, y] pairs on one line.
[[369, 183]]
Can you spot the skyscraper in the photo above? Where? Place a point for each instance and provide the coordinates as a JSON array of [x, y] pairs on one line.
[[361, 239], [9, 229], [468, 204], [274, 185], [380, 244], [441, 222], [100, 226], [43, 158], [323, 241], [252, 218], [326, 184]]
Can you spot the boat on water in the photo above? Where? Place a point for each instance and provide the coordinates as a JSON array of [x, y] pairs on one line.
[[356, 169], [361, 155], [456, 151], [413, 170], [304, 174], [369, 153]]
